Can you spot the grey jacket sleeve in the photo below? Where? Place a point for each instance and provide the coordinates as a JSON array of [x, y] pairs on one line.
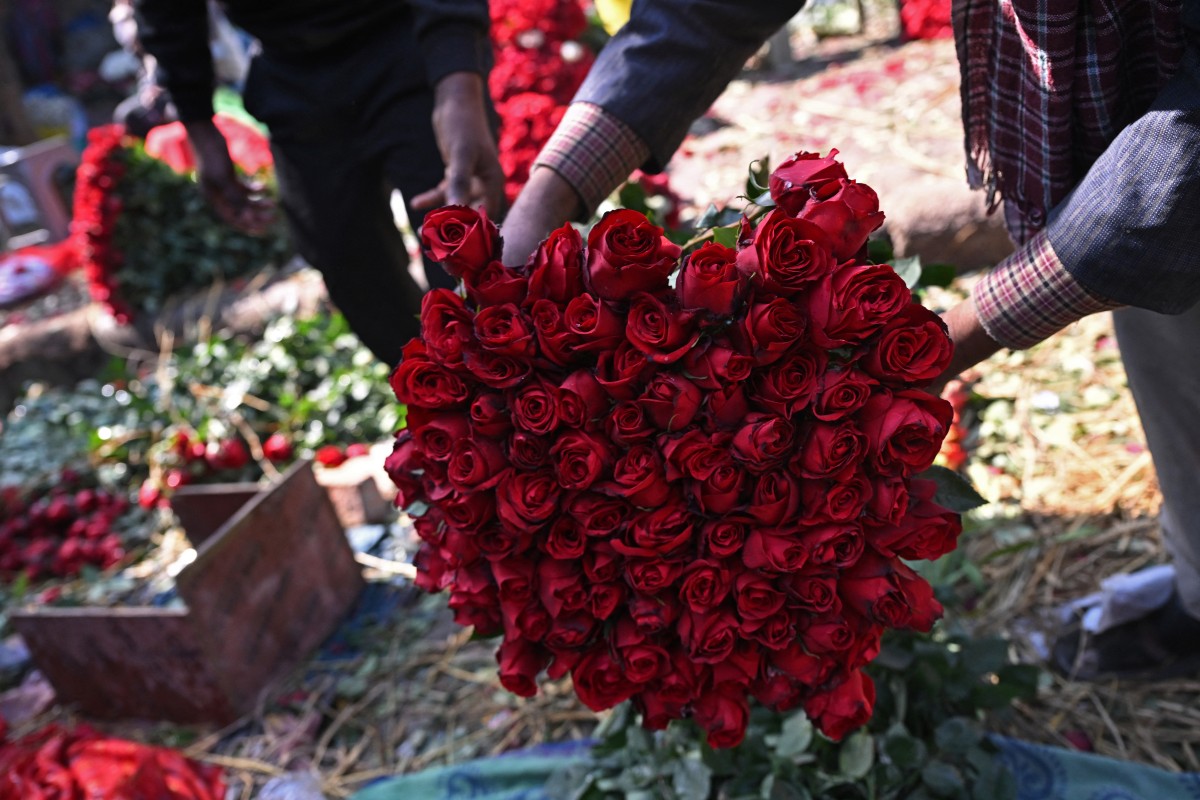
[[673, 58]]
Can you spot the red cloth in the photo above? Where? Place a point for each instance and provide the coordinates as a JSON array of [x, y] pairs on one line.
[[59, 764], [248, 147]]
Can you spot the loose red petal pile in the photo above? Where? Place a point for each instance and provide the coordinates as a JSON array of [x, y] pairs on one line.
[[54, 763], [686, 494]]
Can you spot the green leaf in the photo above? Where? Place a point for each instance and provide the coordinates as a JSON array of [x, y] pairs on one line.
[[956, 736], [764, 200], [942, 779], [726, 236], [905, 751], [759, 176], [795, 737], [938, 274], [857, 755], [981, 656], [909, 270], [879, 250], [691, 778], [953, 490]]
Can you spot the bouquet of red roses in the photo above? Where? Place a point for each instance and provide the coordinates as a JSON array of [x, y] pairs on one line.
[[686, 494]]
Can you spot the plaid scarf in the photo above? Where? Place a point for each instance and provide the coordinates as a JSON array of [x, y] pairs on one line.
[[1048, 84]]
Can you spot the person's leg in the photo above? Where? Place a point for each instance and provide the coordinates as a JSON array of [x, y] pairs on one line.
[[1162, 359], [338, 209]]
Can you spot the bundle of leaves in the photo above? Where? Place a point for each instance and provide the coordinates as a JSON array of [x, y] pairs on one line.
[[144, 232], [927, 739]]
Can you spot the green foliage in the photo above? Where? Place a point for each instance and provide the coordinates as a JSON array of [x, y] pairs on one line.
[[170, 240], [926, 739]]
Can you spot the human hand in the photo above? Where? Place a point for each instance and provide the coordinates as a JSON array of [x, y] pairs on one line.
[[240, 204], [460, 124], [972, 343], [546, 202]]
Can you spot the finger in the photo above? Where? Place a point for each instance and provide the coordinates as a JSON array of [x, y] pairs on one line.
[[493, 189], [430, 199], [458, 181]]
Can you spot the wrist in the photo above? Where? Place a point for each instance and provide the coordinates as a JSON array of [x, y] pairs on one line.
[[459, 87]]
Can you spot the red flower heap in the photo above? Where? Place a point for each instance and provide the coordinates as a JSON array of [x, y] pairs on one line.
[[539, 66], [685, 495], [97, 207]]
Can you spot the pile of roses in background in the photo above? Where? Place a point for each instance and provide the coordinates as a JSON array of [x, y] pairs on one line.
[[686, 494], [539, 66], [925, 19], [143, 232]]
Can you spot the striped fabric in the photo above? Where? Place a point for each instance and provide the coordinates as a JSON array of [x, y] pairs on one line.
[[1029, 297], [594, 152], [1048, 84]]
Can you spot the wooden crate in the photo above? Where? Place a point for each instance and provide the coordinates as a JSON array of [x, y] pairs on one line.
[[272, 578]]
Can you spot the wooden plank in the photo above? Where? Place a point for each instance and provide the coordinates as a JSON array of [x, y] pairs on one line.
[[204, 508]]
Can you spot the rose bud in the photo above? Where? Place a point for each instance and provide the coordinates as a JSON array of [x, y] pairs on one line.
[[556, 267], [710, 281], [461, 239], [787, 255], [794, 182], [628, 254]]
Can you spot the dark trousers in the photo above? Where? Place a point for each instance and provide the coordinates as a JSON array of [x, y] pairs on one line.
[[348, 126]]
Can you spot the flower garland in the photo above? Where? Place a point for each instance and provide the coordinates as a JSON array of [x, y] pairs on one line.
[[144, 233], [683, 493], [539, 66]]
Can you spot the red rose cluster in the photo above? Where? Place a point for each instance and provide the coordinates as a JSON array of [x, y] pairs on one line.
[[539, 66], [925, 19], [96, 209], [59, 531], [685, 494]]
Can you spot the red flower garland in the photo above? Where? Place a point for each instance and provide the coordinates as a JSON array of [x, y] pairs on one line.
[[95, 215], [685, 495]]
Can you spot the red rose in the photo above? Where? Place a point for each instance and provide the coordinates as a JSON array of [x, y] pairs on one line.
[[514, 580], [849, 211], [721, 491], [476, 464], [593, 323], [644, 660], [528, 620], [535, 407], [926, 610], [520, 663], [660, 532], [853, 302], [627, 254], [651, 575], [504, 330], [693, 454], [528, 451], [581, 399], [774, 550], [433, 573], [788, 387], [798, 179], [555, 343], [570, 631], [604, 599], [705, 585], [622, 372], [447, 326], [871, 589], [724, 537], [715, 364], [670, 401], [889, 499], [808, 669], [653, 615], [763, 442], [709, 280], [726, 407], [564, 541], [831, 451], [580, 459], [769, 329], [639, 477], [560, 586], [599, 679], [526, 500], [418, 381], [489, 415], [710, 637], [724, 715], [827, 635], [469, 510], [926, 531], [436, 434], [837, 543], [843, 708], [775, 632], [787, 255], [814, 592], [842, 393], [461, 239], [627, 424], [556, 267], [775, 499], [905, 430], [495, 286], [914, 347], [597, 515], [778, 691], [663, 333], [277, 448], [400, 466], [757, 597], [839, 501], [496, 370]]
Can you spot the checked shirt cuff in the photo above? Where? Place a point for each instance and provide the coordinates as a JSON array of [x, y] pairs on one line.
[[594, 152], [1030, 296]]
